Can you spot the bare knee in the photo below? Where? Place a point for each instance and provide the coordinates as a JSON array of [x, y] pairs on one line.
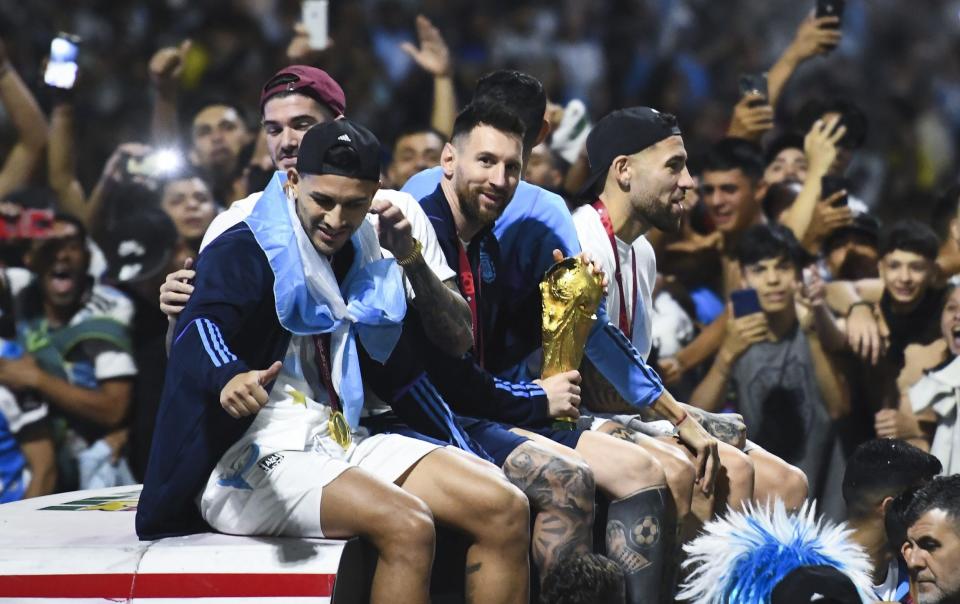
[[504, 515], [782, 481], [795, 487], [404, 531], [740, 472], [641, 470], [680, 475]]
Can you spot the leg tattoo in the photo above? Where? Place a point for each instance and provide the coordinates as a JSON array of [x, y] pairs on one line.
[[561, 492], [641, 538]]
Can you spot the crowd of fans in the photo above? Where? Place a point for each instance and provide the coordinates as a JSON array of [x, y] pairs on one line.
[[797, 294]]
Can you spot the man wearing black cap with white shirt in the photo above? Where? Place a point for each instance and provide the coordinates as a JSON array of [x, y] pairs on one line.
[[638, 181], [283, 302]]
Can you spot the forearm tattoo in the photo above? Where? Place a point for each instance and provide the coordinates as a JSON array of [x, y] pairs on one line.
[[561, 493], [445, 316], [724, 427]]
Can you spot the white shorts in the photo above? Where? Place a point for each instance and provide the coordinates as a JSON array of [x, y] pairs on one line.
[[279, 493]]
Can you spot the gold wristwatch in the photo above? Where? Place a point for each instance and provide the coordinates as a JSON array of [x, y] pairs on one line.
[[413, 255]]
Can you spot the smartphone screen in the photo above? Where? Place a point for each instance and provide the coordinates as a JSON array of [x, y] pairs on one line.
[[314, 16], [62, 67], [745, 302]]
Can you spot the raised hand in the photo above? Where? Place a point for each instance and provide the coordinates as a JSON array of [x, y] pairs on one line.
[[816, 36], [166, 66], [744, 332], [820, 145], [393, 228], [432, 56], [752, 117]]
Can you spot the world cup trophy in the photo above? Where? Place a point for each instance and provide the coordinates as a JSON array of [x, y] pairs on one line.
[[571, 293]]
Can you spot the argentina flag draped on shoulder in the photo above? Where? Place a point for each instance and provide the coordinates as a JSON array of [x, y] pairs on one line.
[[368, 306]]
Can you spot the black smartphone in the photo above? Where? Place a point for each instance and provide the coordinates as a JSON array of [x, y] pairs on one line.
[[753, 82], [830, 184], [745, 302], [830, 8]]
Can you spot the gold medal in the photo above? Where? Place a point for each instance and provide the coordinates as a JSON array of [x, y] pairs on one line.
[[340, 429]]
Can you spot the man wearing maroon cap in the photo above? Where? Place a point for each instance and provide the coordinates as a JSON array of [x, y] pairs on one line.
[[294, 99]]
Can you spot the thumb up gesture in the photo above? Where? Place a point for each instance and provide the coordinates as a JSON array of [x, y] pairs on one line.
[[245, 394]]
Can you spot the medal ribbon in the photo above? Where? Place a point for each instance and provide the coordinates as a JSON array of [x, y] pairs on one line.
[[470, 288], [321, 344], [626, 324]]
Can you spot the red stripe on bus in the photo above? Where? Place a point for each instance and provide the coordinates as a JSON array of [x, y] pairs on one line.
[[168, 585]]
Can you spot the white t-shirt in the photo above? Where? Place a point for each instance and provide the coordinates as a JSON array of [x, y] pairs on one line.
[[595, 242], [421, 228], [891, 589]]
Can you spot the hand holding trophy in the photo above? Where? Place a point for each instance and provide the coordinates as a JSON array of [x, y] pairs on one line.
[[572, 290]]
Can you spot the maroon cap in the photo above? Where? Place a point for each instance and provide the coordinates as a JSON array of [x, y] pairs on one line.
[[310, 81]]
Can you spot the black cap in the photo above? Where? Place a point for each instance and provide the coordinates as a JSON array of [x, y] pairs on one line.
[[318, 140], [139, 245], [863, 223], [624, 132], [821, 584], [851, 116]]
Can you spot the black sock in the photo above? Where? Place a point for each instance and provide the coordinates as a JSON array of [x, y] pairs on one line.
[[641, 538]]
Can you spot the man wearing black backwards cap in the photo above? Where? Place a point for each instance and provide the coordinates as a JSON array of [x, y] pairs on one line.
[[282, 305], [639, 179]]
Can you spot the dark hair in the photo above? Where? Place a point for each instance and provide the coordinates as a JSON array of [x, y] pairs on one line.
[[944, 211], [419, 129], [489, 114], [522, 93], [786, 140], [941, 493], [734, 154], [76, 222], [910, 236], [211, 101], [770, 241], [884, 468], [852, 117], [584, 579]]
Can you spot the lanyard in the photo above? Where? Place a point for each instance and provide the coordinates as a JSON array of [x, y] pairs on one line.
[[321, 345], [626, 324], [470, 288]]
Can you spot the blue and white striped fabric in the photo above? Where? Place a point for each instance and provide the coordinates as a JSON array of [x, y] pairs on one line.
[[213, 343], [520, 389]]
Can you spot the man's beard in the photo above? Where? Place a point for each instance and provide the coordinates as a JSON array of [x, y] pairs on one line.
[[469, 201], [662, 216]]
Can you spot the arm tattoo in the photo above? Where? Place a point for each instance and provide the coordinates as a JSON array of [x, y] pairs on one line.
[[561, 493], [446, 316], [722, 426]]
